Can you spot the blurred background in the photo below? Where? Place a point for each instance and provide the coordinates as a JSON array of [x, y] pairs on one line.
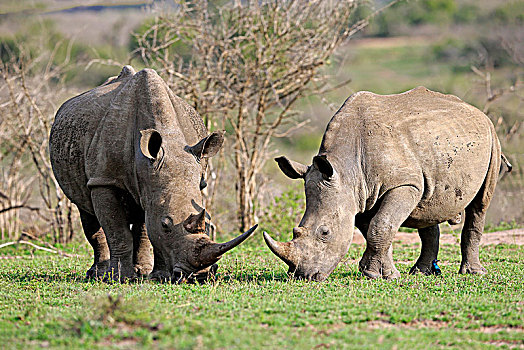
[[51, 50]]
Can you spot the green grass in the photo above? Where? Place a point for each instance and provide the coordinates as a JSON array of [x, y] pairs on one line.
[[45, 301]]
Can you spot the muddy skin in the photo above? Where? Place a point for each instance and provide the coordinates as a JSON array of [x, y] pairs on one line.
[[415, 160], [132, 156]]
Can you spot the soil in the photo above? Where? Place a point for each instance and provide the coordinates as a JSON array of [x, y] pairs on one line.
[[515, 236]]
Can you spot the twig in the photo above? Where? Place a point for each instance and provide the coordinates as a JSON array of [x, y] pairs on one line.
[[54, 251], [19, 206]]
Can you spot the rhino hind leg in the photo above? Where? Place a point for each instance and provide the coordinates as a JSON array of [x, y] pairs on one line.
[[395, 208], [97, 238], [110, 212], [428, 254], [476, 215], [142, 255], [471, 236]]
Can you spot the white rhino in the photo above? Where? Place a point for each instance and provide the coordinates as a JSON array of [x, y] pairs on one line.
[[414, 159], [131, 155]]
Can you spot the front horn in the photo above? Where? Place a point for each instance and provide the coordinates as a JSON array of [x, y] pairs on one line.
[[212, 252], [283, 250]]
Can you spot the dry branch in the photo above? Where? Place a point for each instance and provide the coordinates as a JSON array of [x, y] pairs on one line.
[[54, 251], [244, 66]]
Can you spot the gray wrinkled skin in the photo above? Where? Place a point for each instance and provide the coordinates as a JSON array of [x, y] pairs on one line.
[[131, 155], [414, 159]]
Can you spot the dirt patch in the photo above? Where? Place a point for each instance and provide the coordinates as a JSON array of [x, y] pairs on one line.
[[437, 324], [515, 236], [393, 42]]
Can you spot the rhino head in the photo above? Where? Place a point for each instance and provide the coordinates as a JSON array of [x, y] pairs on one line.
[[166, 147], [326, 230], [171, 178]]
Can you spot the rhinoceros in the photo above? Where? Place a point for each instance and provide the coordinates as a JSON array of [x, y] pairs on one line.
[[414, 159], [131, 155]]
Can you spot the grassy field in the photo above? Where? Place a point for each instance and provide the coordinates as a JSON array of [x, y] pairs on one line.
[[45, 301]]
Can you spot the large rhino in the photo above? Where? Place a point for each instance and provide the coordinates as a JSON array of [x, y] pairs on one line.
[[414, 159], [131, 155]]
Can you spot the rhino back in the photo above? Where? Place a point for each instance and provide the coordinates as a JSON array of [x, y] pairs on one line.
[[75, 124], [93, 138], [432, 141]]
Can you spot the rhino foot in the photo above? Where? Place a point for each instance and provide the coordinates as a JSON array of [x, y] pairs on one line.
[[160, 276], [143, 270], [473, 269], [120, 275], [425, 269], [98, 270], [375, 268]]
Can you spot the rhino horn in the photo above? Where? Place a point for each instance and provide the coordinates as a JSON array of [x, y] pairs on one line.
[[284, 250], [196, 223], [212, 252]]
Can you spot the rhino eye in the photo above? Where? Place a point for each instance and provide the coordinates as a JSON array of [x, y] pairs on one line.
[[324, 230], [166, 222]]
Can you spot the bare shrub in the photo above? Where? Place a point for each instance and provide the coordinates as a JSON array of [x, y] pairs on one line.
[[30, 83], [244, 66], [503, 99]]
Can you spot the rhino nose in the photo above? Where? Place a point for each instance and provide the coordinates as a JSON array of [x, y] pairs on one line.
[[298, 231], [319, 277]]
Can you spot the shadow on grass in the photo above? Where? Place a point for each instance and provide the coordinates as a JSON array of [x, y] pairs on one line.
[[254, 277], [44, 277]]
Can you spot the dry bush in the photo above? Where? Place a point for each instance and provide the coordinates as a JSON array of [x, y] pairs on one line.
[[244, 66], [503, 95], [30, 83]]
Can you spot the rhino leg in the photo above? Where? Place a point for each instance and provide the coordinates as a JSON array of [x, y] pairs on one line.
[[110, 212], [396, 206], [142, 257], [470, 240], [476, 215], [97, 238], [160, 270], [430, 244]]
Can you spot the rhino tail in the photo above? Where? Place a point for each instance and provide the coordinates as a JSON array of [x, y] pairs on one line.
[[506, 161]]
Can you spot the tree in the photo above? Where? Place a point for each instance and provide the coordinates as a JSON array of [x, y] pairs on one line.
[[244, 66]]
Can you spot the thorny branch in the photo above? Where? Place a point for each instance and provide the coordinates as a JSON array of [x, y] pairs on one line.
[[245, 66]]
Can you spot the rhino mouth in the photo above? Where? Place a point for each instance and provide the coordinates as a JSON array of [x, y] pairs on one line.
[[180, 276], [315, 276]]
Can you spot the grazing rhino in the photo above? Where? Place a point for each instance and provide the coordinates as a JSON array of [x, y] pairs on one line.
[[131, 155], [414, 159]]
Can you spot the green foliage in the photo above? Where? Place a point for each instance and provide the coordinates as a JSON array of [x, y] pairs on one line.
[[502, 226], [46, 302], [510, 13], [280, 217], [474, 51], [413, 13], [442, 13], [179, 46]]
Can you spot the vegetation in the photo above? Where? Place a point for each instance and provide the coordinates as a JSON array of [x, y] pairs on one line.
[[470, 48], [45, 301]]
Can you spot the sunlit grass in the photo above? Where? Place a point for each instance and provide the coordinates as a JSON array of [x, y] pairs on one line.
[[252, 304]]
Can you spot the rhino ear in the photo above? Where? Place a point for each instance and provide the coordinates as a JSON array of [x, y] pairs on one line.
[[196, 223], [323, 165], [209, 145], [291, 169], [150, 143]]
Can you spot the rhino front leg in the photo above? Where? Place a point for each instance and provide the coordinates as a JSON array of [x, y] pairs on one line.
[[430, 245], [142, 257], [160, 269], [396, 206], [97, 238], [107, 203]]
